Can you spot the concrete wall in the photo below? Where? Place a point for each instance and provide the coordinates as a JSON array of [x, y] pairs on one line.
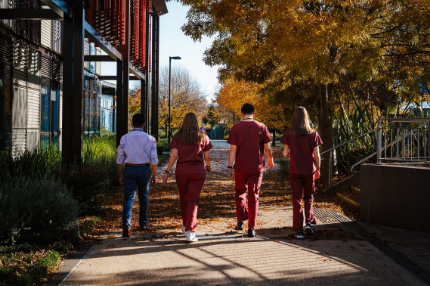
[[395, 195]]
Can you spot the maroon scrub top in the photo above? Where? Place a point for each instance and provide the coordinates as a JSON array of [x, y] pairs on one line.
[[190, 156], [301, 148], [249, 136]]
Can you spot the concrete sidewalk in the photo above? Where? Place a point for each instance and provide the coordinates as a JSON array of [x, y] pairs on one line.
[[342, 253], [335, 257]]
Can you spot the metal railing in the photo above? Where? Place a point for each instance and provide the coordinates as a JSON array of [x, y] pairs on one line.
[[397, 140], [403, 140]]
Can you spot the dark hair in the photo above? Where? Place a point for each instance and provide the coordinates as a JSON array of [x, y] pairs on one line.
[[138, 120], [189, 133], [247, 109], [300, 123]]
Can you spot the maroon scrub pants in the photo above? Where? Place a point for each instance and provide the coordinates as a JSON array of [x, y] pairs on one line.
[[247, 182], [190, 186], [303, 187]]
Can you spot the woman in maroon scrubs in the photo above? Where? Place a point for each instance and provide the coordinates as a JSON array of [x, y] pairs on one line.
[[301, 143], [190, 148]]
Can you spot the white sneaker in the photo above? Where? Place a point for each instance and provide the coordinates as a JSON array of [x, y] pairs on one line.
[[191, 237], [183, 229]]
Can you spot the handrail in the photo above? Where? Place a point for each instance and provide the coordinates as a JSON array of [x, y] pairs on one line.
[[375, 153], [378, 130], [355, 138]]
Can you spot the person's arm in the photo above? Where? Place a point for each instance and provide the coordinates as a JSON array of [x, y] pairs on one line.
[[231, 158], [154, 174], [172, 161], [286, 151], [268, 151], [120, 160], [207, 158], [317, 158], [154, 162], [121, 180]]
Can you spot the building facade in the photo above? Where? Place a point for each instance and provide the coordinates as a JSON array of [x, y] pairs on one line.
[[50, 68]]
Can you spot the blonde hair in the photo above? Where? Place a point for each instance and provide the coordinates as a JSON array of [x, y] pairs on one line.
[[300, 123], [189, 133]]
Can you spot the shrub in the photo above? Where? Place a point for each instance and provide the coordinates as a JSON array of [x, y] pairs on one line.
[[162, 147], [87, 184], [26, 264], [32, 164], [96, 175], [35, 210]]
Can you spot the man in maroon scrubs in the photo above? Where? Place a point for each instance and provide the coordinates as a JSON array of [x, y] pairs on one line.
[[248, 140]]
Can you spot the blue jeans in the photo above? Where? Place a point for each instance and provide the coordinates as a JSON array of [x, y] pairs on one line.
[[136, 177]]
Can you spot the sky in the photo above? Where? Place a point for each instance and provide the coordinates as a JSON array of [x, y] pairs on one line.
[[173, 42]]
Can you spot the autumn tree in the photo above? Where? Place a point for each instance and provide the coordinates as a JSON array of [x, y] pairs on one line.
[[234, 93], [185, 96], [316, 53]]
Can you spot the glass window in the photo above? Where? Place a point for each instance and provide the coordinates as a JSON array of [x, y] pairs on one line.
[[49, 113], [45, 110]]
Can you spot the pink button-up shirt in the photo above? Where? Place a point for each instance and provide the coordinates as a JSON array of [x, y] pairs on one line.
[[137, 147]]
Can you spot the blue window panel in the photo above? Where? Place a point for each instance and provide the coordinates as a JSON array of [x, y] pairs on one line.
[[55, 97], [45, 115]]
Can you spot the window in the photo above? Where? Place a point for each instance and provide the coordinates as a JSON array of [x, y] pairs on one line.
[[49, 113]]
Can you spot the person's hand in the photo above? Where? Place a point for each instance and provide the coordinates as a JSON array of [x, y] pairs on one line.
[[121, 180], [285, 153], [317, 175], [208, 168], [165, 177], [231, 173], [154, 179], [271, 163]]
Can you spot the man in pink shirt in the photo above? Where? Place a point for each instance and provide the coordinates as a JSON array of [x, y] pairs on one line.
[[248, 140]]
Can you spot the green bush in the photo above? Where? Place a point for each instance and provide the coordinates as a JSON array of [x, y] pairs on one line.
[[26, 264], [96, 175], [162, 147], [35, 210], [32, 164]]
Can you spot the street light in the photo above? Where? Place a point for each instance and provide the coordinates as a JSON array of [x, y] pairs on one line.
[[170, 75]]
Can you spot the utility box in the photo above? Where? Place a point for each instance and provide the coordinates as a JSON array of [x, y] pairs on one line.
[[396, 195]]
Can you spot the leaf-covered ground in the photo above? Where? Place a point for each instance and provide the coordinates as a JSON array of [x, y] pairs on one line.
[[216, 207]]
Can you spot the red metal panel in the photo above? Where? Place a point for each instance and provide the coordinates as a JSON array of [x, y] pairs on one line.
[[142, 35]]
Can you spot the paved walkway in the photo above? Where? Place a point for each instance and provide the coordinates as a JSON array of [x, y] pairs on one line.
[[224, 257]]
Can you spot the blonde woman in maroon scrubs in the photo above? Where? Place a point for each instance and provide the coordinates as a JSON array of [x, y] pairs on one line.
[[190, 151], [301, 143]]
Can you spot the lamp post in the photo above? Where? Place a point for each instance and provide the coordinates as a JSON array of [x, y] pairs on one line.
[[170, 75]]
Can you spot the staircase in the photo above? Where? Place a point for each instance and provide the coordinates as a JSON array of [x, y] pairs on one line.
[[399, 141]]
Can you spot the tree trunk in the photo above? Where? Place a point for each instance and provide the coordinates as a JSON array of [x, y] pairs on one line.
[[325, 128], [274, 137]]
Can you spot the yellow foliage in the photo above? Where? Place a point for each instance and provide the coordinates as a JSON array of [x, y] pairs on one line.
[[235, 93]]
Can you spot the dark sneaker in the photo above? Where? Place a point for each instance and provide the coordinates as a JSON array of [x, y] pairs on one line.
[[126, 232], [251, 232], [309, 230], [239, 225], [300, 235]]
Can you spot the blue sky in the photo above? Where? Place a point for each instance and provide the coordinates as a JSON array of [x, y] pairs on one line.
[[173, 42]]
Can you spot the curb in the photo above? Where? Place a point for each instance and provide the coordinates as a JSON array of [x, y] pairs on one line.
[[396, 256], [69, 265]]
